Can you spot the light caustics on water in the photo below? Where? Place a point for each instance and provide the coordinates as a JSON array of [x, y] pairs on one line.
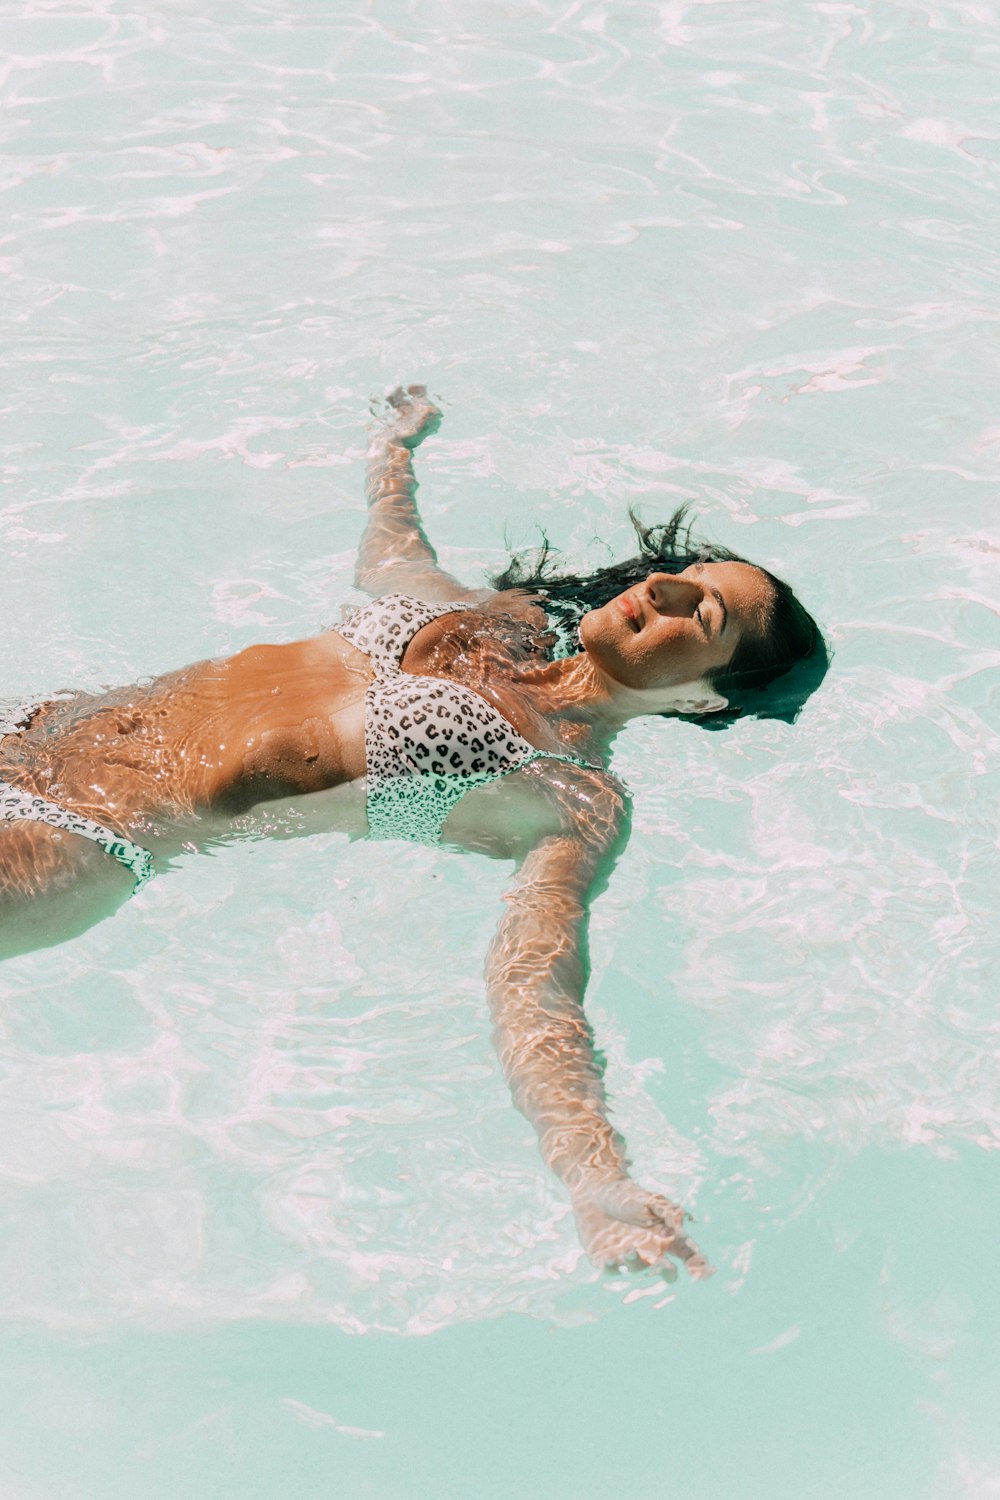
[[743, 254]]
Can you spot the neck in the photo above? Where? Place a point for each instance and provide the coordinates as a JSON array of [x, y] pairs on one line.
[[576, 688]]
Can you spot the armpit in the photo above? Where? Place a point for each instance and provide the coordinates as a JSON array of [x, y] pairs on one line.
[[591, 804], [519, 606]]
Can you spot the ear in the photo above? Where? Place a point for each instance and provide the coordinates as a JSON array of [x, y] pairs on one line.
[[695, 698]]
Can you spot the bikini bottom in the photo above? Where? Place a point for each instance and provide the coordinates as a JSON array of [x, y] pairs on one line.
[[16, 804]]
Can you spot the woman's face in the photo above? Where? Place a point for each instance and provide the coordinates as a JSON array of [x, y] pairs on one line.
[[675, 628]]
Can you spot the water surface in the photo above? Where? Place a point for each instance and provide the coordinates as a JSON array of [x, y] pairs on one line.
[[737, 253]]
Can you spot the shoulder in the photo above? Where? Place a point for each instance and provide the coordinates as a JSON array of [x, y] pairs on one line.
[[591, 803]]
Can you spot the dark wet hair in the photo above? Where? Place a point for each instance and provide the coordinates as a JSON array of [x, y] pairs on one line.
[[790, 646]]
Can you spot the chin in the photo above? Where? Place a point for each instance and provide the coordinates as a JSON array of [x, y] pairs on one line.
[[584, 627], [590, 640]]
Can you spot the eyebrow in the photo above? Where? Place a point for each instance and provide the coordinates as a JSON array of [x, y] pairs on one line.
[[717, 597]]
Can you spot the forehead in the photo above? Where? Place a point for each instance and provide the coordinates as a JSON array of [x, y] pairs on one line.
[[747, 592]]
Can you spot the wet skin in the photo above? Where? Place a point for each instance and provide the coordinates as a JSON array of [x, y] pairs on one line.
[[286, 720], [183, 756], [676, 628]]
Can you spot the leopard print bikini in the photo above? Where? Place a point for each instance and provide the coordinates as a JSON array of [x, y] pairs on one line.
[[17, 805], [427, 740]]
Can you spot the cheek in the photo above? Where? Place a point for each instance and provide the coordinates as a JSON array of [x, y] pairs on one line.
[[597, 634], [678, 655]]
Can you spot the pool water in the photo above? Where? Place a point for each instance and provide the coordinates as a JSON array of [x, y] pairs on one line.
[[269, 1223]]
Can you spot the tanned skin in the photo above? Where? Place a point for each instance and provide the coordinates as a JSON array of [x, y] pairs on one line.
[[169, 762]]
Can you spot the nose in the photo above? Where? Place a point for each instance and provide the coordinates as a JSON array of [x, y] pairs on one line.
[[670, 595]]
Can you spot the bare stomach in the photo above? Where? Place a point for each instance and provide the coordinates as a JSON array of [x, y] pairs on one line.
[[190, 755]]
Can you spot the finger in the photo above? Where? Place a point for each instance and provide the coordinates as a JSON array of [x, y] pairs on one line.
[[668, 1213], [665, 1270], [687, 1252], [636, 1262], [699, 1269], [669, 1234], [655, 1259]]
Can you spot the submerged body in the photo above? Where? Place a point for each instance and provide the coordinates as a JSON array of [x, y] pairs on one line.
[[434, 711], [189, 751], [152, 762]]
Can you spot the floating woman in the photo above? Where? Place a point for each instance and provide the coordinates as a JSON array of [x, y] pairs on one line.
[[436, 712]]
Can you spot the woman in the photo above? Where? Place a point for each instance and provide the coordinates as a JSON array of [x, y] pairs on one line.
[[434, 712]]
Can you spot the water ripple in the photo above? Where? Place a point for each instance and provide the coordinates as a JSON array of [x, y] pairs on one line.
[[744, 255]]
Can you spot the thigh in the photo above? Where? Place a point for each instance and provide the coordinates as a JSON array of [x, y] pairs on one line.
[[53, 885]]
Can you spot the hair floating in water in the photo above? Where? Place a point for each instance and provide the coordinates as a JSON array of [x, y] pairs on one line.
[[790, 649]]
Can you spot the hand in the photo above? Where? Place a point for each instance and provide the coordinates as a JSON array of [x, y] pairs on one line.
[[621, 1224], [409, 415]]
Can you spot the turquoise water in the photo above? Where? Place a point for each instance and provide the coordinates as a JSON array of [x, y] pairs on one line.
[[268, 1221]]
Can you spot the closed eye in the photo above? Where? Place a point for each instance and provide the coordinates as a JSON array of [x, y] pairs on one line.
[[702, 621], [700, 568]]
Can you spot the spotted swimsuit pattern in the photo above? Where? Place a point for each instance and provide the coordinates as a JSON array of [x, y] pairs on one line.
[[17, 805], [427, 740]]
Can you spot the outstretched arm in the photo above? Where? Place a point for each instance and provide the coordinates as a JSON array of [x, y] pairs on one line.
[[394, 553], [536, 973]]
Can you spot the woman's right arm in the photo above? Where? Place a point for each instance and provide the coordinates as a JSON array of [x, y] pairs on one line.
[[536, 973]]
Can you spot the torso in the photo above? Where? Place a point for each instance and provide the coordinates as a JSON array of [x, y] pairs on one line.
[[267, 723]]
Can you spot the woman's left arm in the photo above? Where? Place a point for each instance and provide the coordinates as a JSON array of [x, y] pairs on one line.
[[536, 974]]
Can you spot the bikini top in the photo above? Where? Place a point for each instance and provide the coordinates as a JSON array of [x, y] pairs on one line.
[[428, 740]]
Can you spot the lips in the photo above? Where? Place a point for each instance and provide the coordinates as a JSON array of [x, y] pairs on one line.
[[628, 609]]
